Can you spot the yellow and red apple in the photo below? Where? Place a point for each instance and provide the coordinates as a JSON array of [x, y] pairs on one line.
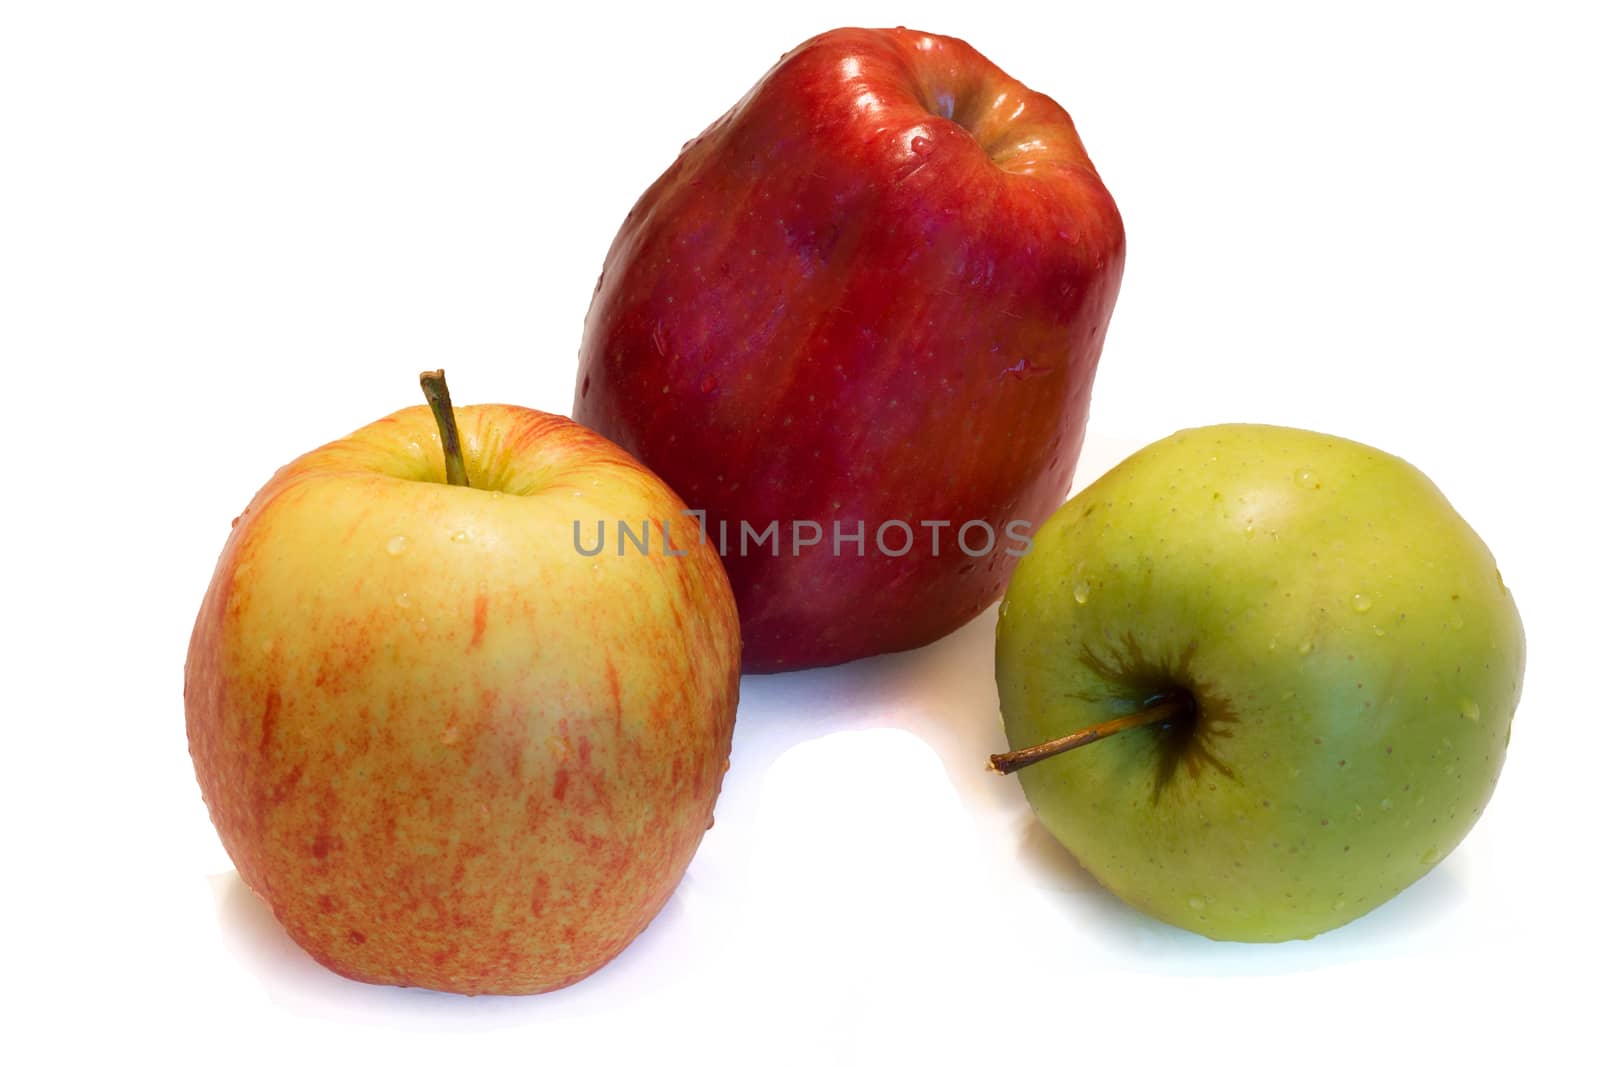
[[447, 747]]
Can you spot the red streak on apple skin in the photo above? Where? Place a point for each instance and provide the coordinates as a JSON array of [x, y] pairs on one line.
[[269, 719], [480, 619], [840, 304], [616, 687], [541, 893]]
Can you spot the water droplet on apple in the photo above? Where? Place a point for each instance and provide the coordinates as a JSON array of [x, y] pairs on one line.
[[267, 647], [1378, 631], [1306, 478], [1305, 648], [1431, 856], [1469, 710], [1080, 592], [1197, 904], [1005, 607], [1386, 804], [1456, 621], [921, 146], [708, 385], [403, 600], [1338, 905], [398, 544], [460, 537], [1361, 602]]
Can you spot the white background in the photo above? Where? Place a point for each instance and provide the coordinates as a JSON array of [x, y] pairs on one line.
[[228, 235]]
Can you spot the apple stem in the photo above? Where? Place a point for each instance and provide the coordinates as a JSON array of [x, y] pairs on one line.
[[438, 394], [1161, 708]]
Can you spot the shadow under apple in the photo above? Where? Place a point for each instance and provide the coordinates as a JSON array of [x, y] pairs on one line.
[[945, 694], [301, 985], [1416, 922]]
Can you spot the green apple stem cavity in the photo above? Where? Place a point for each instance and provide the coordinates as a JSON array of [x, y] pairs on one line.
[[1164, 710], [438, 394]]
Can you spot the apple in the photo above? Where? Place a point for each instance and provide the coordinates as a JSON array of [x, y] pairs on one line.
[[447, 748], [1299, 662], [860, 314]]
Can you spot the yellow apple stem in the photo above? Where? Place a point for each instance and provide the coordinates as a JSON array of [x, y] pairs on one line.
[[438, 394], [1161, 708]]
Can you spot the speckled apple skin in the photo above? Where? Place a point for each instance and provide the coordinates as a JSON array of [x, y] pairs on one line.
[[447, 749], [1353, 654]]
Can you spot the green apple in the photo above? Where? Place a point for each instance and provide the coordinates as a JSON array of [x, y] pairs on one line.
[[448, 748], [1308, 659]]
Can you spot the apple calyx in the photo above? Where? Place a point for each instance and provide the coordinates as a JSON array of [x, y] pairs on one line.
[[438, 394], [1163, 709]]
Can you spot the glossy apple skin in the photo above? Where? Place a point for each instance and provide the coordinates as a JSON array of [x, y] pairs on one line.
[[444, 747], [1355, 658], [876, 289]]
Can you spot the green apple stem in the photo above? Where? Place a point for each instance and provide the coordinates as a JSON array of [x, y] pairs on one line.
[[438, 394], [1162, 708]]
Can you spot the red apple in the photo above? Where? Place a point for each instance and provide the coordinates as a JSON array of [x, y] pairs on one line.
[[875, 290]]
